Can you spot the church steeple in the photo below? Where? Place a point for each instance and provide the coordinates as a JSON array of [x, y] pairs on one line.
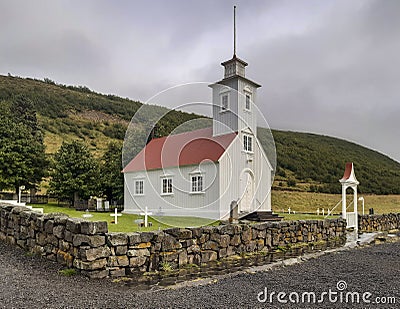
[[234, 97], [234, 66]]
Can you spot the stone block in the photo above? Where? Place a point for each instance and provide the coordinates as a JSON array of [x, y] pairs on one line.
[[146, 236], [203, 238], [89, 254], [117, 239], [73, 225], [235, 240], [169, 256], [117, 272], [170, 243], [228, 229], [61, 220], [118, 261], [121, 250], [58, 231], [89, 240], [48, 226], [196, 231], [210, 245], [133, 238], [183, 257], [246, 236], [93, 265], [94, 227], [208, 256], [224, 241], [137, 261], [222, 253], [187, 242], [193, 249], [51, 239], [185, 234], [138, 252], [68, 236], [141, 245]]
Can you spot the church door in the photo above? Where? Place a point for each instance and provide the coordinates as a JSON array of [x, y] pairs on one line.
[[247, 189]]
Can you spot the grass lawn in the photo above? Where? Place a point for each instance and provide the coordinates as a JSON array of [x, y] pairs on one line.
[[126, 222]]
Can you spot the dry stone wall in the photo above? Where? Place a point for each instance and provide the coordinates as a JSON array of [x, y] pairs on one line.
[[385, 222], [90, 248]]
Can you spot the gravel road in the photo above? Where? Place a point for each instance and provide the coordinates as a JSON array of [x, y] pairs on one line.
[[32, 282]]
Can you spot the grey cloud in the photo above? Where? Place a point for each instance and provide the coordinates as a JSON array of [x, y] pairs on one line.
[[326, 67]]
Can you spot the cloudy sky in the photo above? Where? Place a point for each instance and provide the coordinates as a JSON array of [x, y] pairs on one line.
[[329, 67]]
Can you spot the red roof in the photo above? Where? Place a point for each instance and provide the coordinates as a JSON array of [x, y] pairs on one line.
[[181, 149], [347, 172]]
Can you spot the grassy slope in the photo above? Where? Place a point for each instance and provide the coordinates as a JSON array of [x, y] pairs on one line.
[[313, 162], [308, 202]]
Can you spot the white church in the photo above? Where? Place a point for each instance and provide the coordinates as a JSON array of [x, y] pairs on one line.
[[203, 172]]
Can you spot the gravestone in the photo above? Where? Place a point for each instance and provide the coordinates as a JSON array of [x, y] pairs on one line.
[[99, 204], [234, 213], [106, 205]]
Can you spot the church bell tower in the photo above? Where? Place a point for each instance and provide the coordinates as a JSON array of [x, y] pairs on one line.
[[234, 98]]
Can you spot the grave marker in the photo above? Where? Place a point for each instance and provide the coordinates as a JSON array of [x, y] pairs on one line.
[[145, 214], [115, 215]]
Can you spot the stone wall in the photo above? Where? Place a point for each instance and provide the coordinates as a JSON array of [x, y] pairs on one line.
[[385, 222], [90, 248]]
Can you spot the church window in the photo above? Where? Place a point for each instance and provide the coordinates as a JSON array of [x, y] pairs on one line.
[[139, 184], [247, 143], [224, 102], [166, 186], [248, 101], [197, 183]]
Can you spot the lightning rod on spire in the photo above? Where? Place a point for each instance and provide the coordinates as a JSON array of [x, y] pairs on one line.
[[234, 31]]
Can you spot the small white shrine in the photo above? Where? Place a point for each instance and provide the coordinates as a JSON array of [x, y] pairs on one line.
[[349, 180]]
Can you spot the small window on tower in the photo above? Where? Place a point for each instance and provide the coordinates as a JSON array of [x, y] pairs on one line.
[[224, 102], [247, 143], [248, 102]]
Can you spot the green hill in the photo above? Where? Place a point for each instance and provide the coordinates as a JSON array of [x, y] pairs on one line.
[[305, 162]]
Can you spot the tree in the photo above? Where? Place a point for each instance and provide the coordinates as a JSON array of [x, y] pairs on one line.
[[75, 172], [112, 179], [22, 152]]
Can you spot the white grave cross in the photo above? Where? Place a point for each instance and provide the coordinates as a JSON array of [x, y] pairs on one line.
[[116, 215], [145, 214]]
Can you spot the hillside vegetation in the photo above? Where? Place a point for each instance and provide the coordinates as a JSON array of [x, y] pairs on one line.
[[305, 162]]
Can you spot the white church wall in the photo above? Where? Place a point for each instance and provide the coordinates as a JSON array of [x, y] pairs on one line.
[[181, 202]]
